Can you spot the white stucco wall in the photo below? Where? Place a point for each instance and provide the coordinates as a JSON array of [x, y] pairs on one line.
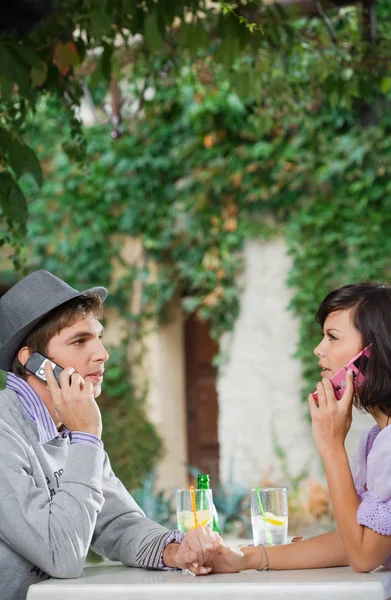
[[259, 386]]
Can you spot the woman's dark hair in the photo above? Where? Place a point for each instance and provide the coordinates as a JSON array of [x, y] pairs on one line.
[[371, 303]]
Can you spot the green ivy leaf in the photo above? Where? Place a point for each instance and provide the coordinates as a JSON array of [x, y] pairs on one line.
[[21, 158], [13, 69], [6, 183], [31, 164], [12, 199], [26, 54], [100, 21], [385, 84], [6, 87], [66, 56], [39, 74], [17, 208], [152, 33], [262, 149]]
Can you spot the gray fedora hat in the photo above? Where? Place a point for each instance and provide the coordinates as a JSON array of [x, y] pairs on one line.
[[25, 305]]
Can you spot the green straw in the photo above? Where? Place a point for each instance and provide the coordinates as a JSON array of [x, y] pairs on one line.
[[267, 532]]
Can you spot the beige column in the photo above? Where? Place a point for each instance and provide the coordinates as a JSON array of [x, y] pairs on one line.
[[166, 401], [162, 373]]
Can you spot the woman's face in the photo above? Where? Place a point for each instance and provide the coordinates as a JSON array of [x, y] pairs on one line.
[[340, 343]]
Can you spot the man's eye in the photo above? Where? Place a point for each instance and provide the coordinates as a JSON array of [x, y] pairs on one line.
[[78, 342]]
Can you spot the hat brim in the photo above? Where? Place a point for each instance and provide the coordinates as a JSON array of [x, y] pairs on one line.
[[11, 346]]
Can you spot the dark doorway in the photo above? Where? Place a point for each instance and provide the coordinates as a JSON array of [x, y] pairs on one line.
[[201, 399]]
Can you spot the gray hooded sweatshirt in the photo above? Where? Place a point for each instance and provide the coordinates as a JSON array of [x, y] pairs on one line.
[[57, 499]]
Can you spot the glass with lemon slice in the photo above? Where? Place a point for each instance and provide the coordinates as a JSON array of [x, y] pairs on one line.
[[269, 516], [186, 518]]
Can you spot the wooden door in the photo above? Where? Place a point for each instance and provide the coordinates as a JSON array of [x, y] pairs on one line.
[[201, 399]]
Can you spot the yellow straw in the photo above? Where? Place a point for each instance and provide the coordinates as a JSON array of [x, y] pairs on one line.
[[193, 503]]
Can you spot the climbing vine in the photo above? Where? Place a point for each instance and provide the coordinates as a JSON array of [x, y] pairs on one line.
[[205, 158]]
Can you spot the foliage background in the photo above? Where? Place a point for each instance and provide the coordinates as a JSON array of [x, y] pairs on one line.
[[288, 137]]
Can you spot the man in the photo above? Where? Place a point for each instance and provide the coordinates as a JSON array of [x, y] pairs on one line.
[[58, 494]]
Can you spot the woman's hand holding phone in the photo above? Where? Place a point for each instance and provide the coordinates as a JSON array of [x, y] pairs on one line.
[[331, 418], [357, 365], [74, 401]]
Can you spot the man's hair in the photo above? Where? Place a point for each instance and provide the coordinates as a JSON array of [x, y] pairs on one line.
[[57, 319], [371, 314]]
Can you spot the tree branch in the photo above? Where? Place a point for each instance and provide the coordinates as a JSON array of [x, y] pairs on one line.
[[326, 21], [116, 105]]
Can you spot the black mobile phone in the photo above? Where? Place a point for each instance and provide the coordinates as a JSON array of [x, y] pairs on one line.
[[36, 366]]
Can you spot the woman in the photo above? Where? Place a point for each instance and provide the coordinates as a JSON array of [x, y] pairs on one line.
[[351, 317]]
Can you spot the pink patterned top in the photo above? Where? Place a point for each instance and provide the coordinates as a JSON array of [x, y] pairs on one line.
[[371, 469]]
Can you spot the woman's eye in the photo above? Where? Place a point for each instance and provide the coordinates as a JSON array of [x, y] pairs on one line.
[[331, 338]]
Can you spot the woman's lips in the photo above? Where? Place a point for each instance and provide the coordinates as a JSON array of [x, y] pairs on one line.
[[325, 373]]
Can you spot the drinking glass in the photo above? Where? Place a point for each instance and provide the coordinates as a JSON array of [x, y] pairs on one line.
[[269, 516], [184, 509]]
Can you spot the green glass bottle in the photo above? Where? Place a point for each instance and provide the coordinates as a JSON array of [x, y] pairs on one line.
[[203, 484]]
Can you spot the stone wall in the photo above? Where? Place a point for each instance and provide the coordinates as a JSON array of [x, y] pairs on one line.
[[259, 386]]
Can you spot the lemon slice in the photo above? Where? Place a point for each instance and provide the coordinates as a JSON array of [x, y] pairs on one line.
[[203, 524], [204, 517], [273, 520]]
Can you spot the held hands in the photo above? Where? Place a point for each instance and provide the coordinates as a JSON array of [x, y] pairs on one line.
[[74, 403], [332, 418], [203, 551], [226, 560], [194, 551]]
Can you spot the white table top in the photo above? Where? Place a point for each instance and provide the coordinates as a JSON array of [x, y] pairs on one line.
[[113, 581]]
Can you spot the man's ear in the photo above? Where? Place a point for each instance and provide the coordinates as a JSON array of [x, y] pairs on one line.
[[24, 354]]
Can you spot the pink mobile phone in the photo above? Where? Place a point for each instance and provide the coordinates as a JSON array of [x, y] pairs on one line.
[[357, 365]]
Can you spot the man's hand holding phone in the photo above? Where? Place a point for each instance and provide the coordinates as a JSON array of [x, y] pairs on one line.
[[74, 401]]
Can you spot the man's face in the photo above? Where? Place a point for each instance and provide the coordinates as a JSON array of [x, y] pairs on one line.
[[80, 346]]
